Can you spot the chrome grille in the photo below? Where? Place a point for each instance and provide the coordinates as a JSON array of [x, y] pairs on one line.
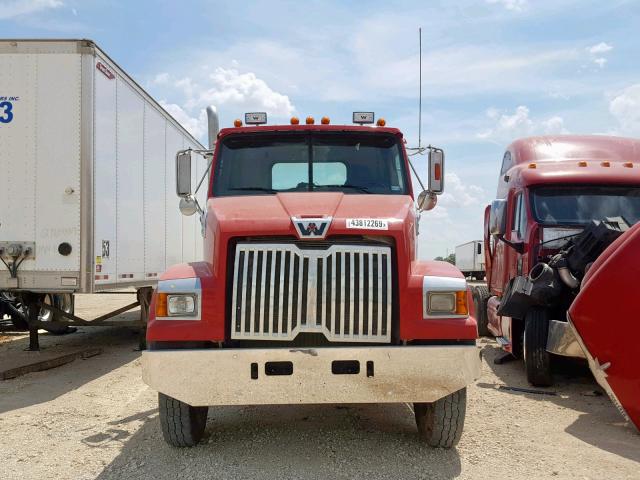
[[281, 290]]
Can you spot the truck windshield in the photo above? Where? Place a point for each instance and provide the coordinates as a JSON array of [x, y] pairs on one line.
[[269, 163], [580, 205]]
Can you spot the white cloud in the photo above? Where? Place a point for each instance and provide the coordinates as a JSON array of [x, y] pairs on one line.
[[14, 8], [515, 5], [601, 47], [598, 51], [625, 107], [519, 124], [161, 79], [196, 126], [242, 90]]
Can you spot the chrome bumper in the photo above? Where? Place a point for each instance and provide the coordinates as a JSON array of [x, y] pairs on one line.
[[562, 340], [395, 374]]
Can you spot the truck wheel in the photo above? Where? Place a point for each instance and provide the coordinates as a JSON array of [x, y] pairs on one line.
[[64, 302], [480, 298], [182, 424], [536, 358], [440, 423]]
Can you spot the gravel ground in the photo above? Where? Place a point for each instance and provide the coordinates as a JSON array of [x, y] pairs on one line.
[[95, 418]]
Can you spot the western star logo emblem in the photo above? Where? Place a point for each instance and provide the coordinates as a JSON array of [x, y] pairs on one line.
[[311, 227]]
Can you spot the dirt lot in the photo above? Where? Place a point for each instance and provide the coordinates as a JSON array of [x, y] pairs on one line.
[[95, 418]]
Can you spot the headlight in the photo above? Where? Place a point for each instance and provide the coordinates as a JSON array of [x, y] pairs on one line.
[[444, 297], [181, 305], [179, 299]]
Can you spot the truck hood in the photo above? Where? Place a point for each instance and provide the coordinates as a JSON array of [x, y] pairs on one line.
[[271, 214], [605, 315]]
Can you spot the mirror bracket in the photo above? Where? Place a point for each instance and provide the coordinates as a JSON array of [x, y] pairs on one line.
[[517, 246]]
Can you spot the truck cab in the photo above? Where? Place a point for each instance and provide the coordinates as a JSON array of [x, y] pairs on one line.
[[561, 200], [310, 290]]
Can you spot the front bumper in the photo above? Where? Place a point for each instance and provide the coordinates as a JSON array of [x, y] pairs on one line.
[[398, 374], [562, 340]]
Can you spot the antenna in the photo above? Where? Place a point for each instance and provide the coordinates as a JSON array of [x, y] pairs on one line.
[[420, 90]]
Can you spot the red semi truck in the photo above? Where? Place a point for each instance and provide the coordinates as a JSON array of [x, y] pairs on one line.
[[310, 290], [561, 202]]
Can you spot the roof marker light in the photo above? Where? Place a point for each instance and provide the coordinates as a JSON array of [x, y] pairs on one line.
[[237, 123], [310, 120], [582, 164], [381, 122], [533, 165], [325, 121], [295, 121], [606, 164], [627, 165]]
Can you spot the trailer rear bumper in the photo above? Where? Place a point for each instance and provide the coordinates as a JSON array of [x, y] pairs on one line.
[[311, 375]]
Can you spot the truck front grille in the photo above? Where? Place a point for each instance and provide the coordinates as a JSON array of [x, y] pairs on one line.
[[281, 290]]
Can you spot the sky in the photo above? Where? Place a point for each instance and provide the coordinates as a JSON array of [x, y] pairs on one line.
[[493, 71]]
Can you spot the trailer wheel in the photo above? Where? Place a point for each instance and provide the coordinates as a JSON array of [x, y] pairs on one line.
[[182, 424], [536, 358], [64, 302], [480, 297], [440, 423]]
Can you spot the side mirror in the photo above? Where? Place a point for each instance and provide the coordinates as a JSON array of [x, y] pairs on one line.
[[498, 217], [183, 173], [436, 170], [188, 205], [426, 200]]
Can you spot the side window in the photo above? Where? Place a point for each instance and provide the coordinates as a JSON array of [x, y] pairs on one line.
[[506, 163], [519, 224]]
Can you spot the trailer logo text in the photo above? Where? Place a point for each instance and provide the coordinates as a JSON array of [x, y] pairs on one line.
[[105, 70], [6, 108]]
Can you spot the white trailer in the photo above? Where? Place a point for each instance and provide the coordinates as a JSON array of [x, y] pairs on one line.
[[87, 175], [470, 259]]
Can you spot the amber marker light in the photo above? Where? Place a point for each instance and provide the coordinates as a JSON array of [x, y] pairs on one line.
[[325, 121], [533, 165], [161, 305], [237, 122], [582, 164], [381, 122], [606, 164], [310, 120], [295, 121], [627, 165], [462, 307]]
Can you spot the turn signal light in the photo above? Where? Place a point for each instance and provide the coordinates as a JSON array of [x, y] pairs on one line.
[[237, 122], [161, 305], [310, 120], [325, 121], [381, 122], [295, 120], [462, 307], [437, 171]]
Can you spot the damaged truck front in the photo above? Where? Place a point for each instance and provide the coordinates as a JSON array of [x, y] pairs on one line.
[[561, 202]]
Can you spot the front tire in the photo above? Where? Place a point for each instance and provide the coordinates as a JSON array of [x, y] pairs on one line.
[[536, 358], [440, 423], [480, 297], [182, 425]]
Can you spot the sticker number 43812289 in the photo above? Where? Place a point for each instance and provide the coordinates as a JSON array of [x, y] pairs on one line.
[[6, 112], [368, 223]]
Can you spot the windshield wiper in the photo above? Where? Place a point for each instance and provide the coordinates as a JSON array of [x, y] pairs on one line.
[[259, 189], [345, 185]]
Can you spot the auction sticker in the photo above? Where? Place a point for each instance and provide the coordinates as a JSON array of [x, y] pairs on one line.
[[368, 223]]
